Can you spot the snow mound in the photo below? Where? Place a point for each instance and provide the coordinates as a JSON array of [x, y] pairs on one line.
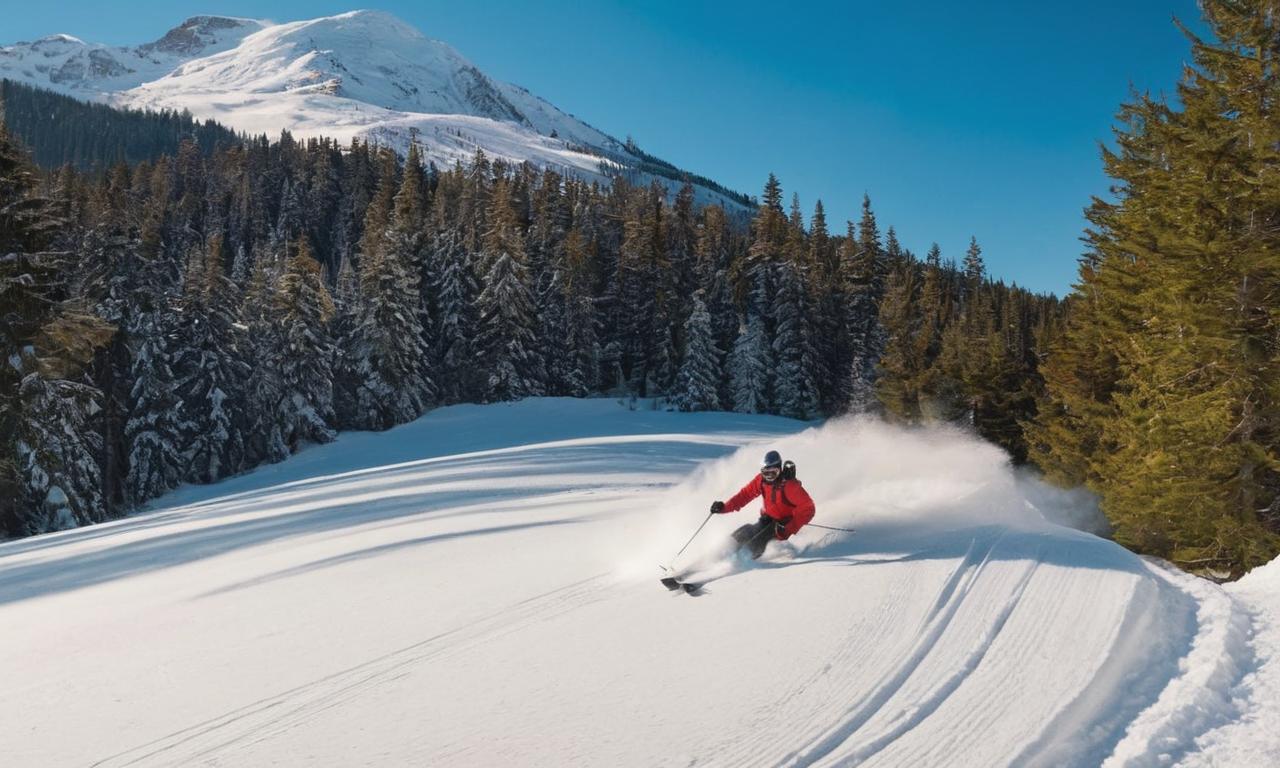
[[480, 587], [1253, 736]]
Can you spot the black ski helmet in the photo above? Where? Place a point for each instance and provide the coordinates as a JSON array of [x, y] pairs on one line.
[[772, 459]]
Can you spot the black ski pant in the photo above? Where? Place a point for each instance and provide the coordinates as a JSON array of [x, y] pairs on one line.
[[756, 536]]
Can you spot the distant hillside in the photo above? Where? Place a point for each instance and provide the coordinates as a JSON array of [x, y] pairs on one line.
[[58, 129]]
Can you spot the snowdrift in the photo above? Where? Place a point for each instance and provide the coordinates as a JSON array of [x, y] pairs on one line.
[[480, 587]]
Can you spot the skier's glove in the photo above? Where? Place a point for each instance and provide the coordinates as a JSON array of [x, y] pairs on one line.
[[781, 527], [717, 507]]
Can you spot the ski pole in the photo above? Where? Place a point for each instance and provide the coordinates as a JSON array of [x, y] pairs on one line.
[[694, 536], [832, 528]]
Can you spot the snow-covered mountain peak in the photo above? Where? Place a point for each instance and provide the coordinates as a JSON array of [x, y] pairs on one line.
[[55, 40], [363, 73], [202, 35], [367, 56], [383, 21], [94, 71]]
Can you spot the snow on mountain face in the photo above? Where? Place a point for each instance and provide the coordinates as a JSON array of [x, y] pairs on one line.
[[363, 73], [69, 65], [202, 35], [479, 588]]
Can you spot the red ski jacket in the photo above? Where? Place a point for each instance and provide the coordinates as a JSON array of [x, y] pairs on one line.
[[783, 499]]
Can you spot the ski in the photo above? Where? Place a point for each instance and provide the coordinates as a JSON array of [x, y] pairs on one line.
[[690, 587], [693, 578]]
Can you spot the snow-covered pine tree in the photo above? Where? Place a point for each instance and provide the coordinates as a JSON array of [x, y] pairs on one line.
[[828, 289], [346, 375], [582, 341], [290, 222], [456, 291], [303, 309], [119, 286], [57, 453], [211, 369], [715, 253], [47, 445], [323, 202], [752, 368], [505, 345], [385, 354], [404, 244], [666, 276], [867, 267], [547, 228], [681, 252], [795, 389], [473, 204], [357, 182], [263, 347], [697, 384], [156, 424], [632, 298]]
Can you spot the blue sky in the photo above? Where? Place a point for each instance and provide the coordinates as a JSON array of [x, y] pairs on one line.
[[958, 119]]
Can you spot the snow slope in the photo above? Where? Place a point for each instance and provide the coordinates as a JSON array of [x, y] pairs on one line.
[[362, 73], [480, 588], [93, 71]]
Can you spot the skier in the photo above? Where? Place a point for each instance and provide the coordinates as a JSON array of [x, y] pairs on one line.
[[787, 506]]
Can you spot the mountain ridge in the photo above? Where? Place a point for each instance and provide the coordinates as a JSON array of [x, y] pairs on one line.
[[362, 73]]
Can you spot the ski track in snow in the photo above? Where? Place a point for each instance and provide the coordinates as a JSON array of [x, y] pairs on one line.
[[276, 715], [478, 588]]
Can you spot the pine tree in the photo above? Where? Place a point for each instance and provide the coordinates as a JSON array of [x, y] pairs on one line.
[[57, 454], [505, 344], [640, 323], [698, 382], [752, 365], [156, 424], [827, 287], [935, 392], [901, 367], [1181, 440], [48, 470], [581, 339], [264, 434], [716, 264], [794, 352], [974, 269], [1081, 375], [403, 249], [458, 322], [211, 370], [384, 353], [304, 308], [867, 267]]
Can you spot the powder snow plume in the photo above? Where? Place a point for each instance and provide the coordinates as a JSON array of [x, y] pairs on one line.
[[882, 480]]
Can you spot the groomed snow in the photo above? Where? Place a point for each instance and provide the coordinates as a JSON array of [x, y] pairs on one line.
[[480, 588]]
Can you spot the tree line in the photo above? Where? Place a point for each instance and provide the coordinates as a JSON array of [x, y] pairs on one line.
[[189, 318], [58, 129]]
